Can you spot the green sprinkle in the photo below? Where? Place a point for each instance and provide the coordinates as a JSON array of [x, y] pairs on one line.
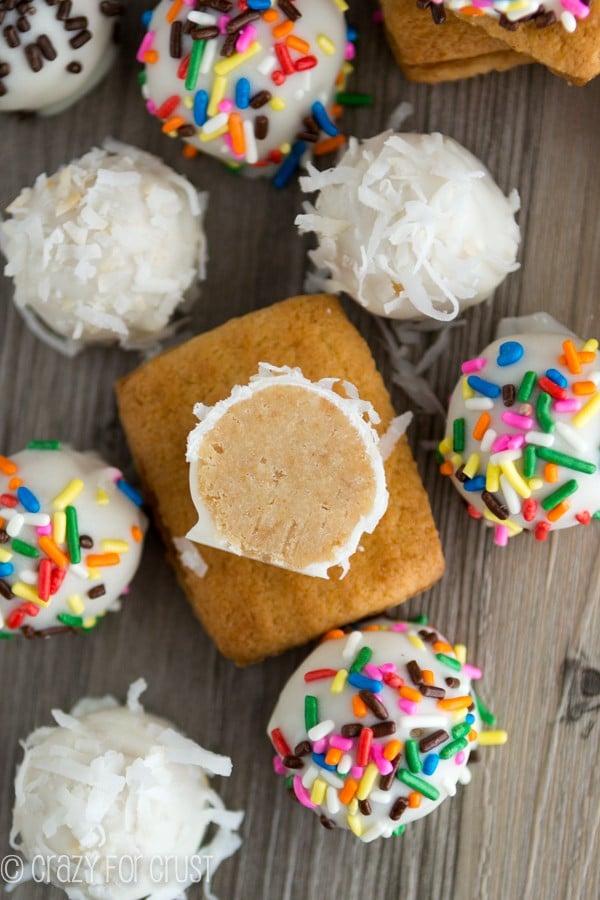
[[418, 784], [420, 620], [526, 387], [6, 636], [194, 65], [346, 98], [289, 781], [542, 411], [487, 717], [461, 730], [73, 535], [24, 549], [458, 435], [439, 457], [43, 445], [596, 515], [563, 459], [311, 711], [453, 748], [529, 461], [449, 661], [397, 832], [142, 77], [362, 658], [557, 497], [72, 621], [413, 758]]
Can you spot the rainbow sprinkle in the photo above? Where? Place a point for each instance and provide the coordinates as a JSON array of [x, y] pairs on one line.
[[510, 13]]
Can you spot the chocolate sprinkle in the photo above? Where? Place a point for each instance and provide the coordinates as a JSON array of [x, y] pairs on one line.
[[365, 807], [292, 762], [3, 536], [326, 823], [414, 670], [495, 505], [98, 591], [386, 781], [30, 633], [351, 729], [433, 740], [5, 590], [374, 704], [238, 22], [398, 808], [383, 729], [80, 39], [289, 10], [431, 690], [260, 99], [86, 541], [303, 748], [74, 68], [175, 50], [47, 47], [34, 57], [509, 394], [261, 127], [452, 682]]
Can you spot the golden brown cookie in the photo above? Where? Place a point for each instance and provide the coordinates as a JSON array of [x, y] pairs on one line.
[[252, 609]]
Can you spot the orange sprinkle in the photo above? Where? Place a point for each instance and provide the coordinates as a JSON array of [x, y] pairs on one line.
[[371, 628], [551, 473], [359, 708], [584, 387], [336, 634], [410, 693], [329, 145], [173, 11], [473, 735], [136, 533], [2, 522], [555, 514], [333, 756], [173, 124], [236, 132], [392, 749], [447, 468], [584, 356], [189, 151], [270, 15], [283, 29], [427, 676], [471, 11], [98, 560], [453, 703], [336, 110], [571, 357], [54, 552], [414, 799], [296, 43], [481, 425], [348, 791], [15, 483], [7, 466], [150, 57], [442, 647]]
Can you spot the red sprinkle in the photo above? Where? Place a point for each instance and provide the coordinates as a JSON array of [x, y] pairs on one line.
[[8, 500], [16, 618], [44, 579], [168, 107], [304, 63], [392, 679], [583, 517], [474, 513], [285, 60], [546, 384], [277, 77], [30, 609], [529, 509], [541, 531], [183, 67], [280, 743], [57, 578], [363, 749], [317, 674]]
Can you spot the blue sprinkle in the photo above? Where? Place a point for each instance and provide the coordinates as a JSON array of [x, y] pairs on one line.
[[322, 119], [487, 388], [475, 484], [242, 93], [146, 16], [259, 4], [510, 352], [557, 377], [28, 500], [364, 683], [129, 491], [319, 758], [430, 763], [470, 718], [6, 569], [200, 107], [351, 34], [286, 170]]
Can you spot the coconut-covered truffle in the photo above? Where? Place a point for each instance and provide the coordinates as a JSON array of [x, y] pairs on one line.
[[70, 539], [52, 53], [375, 728], [288, 471], [523, 433], [247, 85], [114, 804], [410, 225], [105, 250]]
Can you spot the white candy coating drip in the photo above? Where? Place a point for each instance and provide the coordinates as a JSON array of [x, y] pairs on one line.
[[411, 226]]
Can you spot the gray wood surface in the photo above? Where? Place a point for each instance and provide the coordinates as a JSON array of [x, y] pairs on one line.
[[527, 826]]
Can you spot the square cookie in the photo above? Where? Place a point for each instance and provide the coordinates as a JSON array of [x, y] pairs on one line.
[[251, 609]]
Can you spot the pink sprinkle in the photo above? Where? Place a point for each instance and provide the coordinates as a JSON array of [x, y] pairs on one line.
[[320, 746], [516, 421], [501, 535], [460, 758], [247, 36], [472, 672], [227, 139], [350, 51], [384, 765], [501, 443], [579, 10], [473, 365], [566, 406], [44, 529], [126, 589], [400, 626], [387, 667], [357, 772], [145, 45], [189, 2], [225, 106], [481, 4], [302, 794], [340, 742], [516, 441], [407, 706], [372, 671], [278, 766], [151, 107], [222, 23], [113, 473]]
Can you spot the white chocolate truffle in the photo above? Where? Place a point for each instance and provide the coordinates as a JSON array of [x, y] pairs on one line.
[[287, 471], [113, 804], [523, 434], [71, 540], [238, 84], [50, 57], [105, 250], [376, 726], [410, 226]]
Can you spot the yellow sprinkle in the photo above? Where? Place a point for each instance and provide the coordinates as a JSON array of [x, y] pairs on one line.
[[214, 134], [217, 94], [461, 653], [94, 574], [339, 682], [445, 446], [492, 738], [69, 494], [512, 526], [416, 641], [471, 465], [59, 526], [492, 478], [354, 825], [347, 68], [76, 604], [367, 782], [114, 546], [515, 480], [536, 484], [591, 408], [277, 103], [26, 592], [225, 66], [467, 390], [341, 4], [456, 460], [285, 148], [188, 101], [5, 555], [317, 794], [90, 622], [353, 806], [590, 346], [326, 44], [102, 498]]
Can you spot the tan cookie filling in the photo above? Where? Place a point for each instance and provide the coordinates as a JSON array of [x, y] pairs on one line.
[[286, 476]]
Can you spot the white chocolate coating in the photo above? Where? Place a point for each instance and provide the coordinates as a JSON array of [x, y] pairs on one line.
[[393, 647], [207, 531], [290, 101], [573, 431], [54, 85], [105, 250], [104, 513], [410, 226], [113, 797]]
